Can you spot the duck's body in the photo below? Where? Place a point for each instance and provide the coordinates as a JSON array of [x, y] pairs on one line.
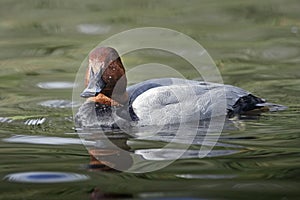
[[173, 100], [167, 101]]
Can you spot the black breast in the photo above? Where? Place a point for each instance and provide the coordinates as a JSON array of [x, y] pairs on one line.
[[94, 115]]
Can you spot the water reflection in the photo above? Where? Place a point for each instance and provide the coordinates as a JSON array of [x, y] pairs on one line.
[[45, 177], [172, 154], [141, 150], [41, 41], [35, 139], [5, 120], [58, 104], [98, 194], [107, 151], [93, 29], [259, 186], [55, 85], [34, 122], [206, 176]]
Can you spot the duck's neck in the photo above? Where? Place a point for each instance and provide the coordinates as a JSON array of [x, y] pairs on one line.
[[108, 97], [102, 99]]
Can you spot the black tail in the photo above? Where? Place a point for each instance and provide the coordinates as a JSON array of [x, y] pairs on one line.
[[252, 105]]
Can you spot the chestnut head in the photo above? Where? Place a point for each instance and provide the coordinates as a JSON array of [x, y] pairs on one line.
[[105, 73]]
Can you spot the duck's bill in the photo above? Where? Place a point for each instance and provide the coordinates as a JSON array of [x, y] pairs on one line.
[[94, 87]]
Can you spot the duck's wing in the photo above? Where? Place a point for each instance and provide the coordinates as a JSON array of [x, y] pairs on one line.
[[137, 89], [199, 87], [187, 98], [180, 103]]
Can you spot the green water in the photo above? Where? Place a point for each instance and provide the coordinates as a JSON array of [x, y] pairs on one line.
[[256, 45]]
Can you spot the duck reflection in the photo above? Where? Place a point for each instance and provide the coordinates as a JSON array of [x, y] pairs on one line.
[[97, 194], [144, 150], [108, 151], [151, 148]]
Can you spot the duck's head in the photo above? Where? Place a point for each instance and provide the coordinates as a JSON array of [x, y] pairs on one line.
[[106, 75]]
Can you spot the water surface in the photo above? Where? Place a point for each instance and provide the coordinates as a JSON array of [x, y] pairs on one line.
[[255, 45]]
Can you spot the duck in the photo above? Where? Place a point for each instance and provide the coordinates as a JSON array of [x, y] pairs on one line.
[[110, 103]]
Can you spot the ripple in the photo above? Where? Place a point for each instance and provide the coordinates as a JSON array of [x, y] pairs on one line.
[[32, 139], [93, 29], [59, 104], [35, 122], [279, 53], [294, 29], [258, 186], [205, 176], [55, 85], [173, 154], [5, 120], [273, 53], [45, 177]]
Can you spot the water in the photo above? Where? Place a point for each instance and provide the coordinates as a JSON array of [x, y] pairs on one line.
[[255, 45], [44, 177]]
